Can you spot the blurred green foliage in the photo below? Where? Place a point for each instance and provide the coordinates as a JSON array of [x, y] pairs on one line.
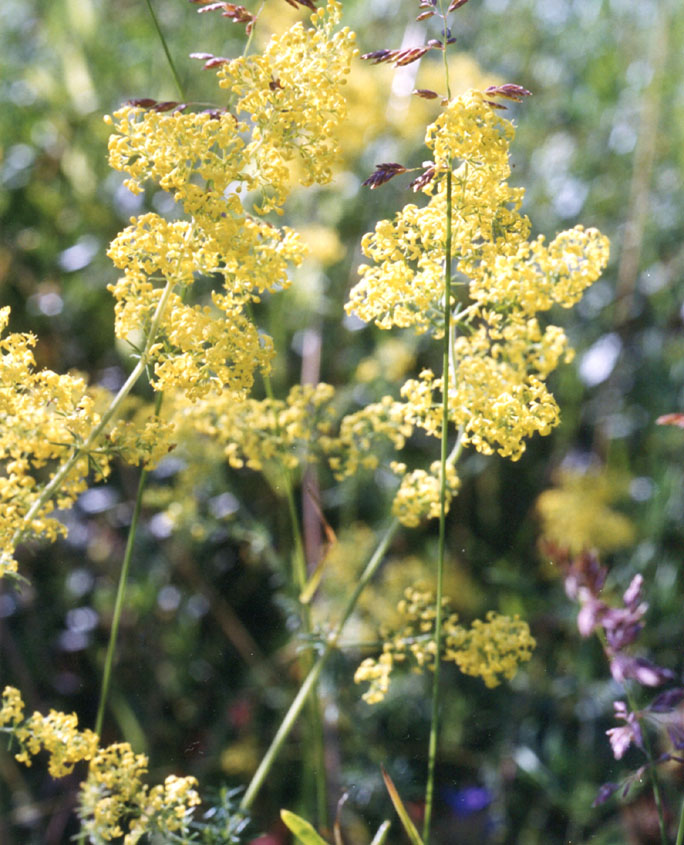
[[206, 658]]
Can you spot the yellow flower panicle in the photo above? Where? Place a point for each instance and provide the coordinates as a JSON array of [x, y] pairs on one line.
[[286, 102], [577, 513], [113, 798], [491, 650], [502, 354], [292, 94], [57, 733], [254, 432], [43, 417], [418, 496]]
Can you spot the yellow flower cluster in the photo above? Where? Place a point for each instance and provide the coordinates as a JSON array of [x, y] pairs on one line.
[[491, 650], [57, 733], [576, 513], [356, 446], [256, 431], [292, 94], [418, 495], [113, 795], [288, 103], [143, 438], [501, 282], [43, 416]]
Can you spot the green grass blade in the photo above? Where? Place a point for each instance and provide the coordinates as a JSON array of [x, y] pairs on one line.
[[301, 828], [409, 827]]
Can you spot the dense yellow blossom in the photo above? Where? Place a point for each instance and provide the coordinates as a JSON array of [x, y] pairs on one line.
[[501, 282], [43, 418], [12, 710], [287, 103], [418, 496], [292, 95], [256, 431], [113, 801], [491, 650], [576, 513]]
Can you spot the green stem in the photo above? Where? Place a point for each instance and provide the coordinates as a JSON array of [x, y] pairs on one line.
[[121, 590], [61, 475], [680, 830], [166, 49], [655, 783], [299, 578], [446, 355], [312, 678]]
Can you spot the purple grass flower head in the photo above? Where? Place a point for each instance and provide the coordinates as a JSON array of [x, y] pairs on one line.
[[667, 711], [624, 668], [590, 615], [622, 737], [584, 577], [632, 595], [604, 793], [624, 624]]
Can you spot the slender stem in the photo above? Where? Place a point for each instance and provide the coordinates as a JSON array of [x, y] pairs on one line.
[[299, 578], [648, 751], [446, 355], [311, 679], [121, 589], [61, 475], [680, 830], [166, 49], [655, 783]]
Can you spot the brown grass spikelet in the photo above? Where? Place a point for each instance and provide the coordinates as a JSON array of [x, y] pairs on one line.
[[383, 173], [398, 57], [425, 177]]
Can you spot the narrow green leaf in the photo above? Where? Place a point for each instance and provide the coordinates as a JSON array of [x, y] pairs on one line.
[[404, 817], [312, 584], [301, 829], [381, 836]]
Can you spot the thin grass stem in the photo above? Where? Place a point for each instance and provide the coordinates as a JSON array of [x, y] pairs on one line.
[[121, 589], [62, 473], [311, 679], [680, 829], [165, 46], [299, 579]]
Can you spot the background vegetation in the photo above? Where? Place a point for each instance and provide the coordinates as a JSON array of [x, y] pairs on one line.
[[206, 657]]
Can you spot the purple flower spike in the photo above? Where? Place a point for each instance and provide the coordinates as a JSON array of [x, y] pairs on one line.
[[604, 793], [590, 615], [632, 594], [622, 737], [639, 669], [667, 701]]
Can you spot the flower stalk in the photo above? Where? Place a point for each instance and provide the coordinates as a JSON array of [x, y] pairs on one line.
[[311, 679], [62, 473]]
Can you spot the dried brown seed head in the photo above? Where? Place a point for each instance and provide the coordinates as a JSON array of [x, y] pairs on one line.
[[400, 57], [210, 60], [383, 173], [425, 177], [510, 91]]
